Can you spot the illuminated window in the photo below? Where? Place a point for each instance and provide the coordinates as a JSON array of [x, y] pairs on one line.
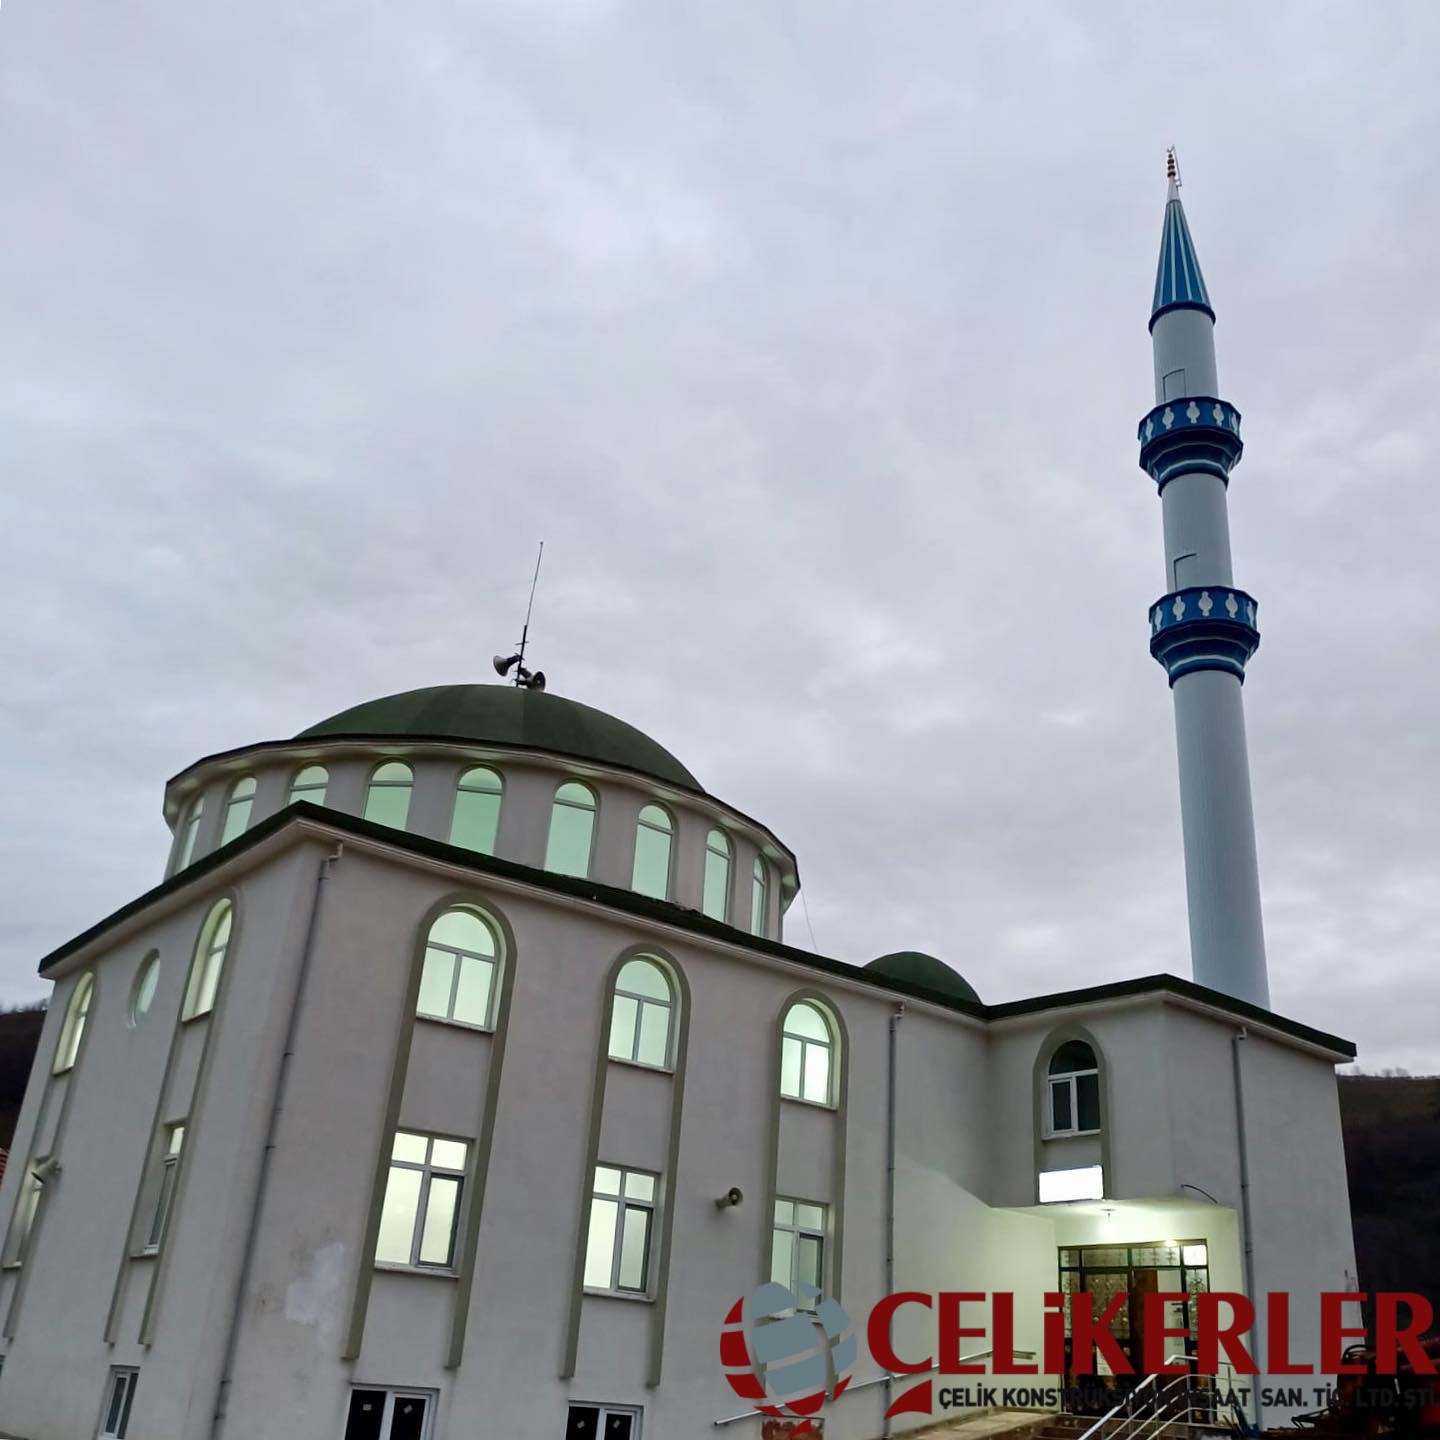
[[237, 809], [640, 1025], [310, 783], [189, 828], [797, 1247], [458, 979], [622, 1221], [73, 1030], [1085, 1182], [716, 903], [168, 1174], [654, 837], [807, 1050], [572, 829], [477, 810], [387, 797], [1074, 1085], [759, 897], [208, 961], [420, 1217]]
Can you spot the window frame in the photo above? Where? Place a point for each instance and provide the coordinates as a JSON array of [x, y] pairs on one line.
[[624, 1203], [297, 792], [428, 1172], [1068, 1082], [461, 788], [27, 1203], [727, 858], [668, 831], [147, 971], [635, 1413], [392, 1393], [493, 961], [760, 897], [207, 957], [372, 784], [72, 1027], [164, 1185], [187, 832], [130, 1374], [669, 1005], [557, 803], [235, 803], [830, 1045], [797, 1231]]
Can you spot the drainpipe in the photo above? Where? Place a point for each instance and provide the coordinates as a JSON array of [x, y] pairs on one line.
[[1248, 1249], [252, 1231], [890, 1127]]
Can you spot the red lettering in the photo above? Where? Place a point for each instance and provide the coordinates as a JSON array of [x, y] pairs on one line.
[[1002, 1346], [878, 1333], [1333, 1333], [1391, 1336], [1156, 1332], [1277, 1337], [952, 1332], [1054, 1333], [1086, 1333], [1214, 1337]]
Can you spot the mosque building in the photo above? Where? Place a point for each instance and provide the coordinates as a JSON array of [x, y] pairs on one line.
[[457, 1078]]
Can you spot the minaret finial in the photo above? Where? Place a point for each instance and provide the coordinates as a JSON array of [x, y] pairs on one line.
[[1172, 167]]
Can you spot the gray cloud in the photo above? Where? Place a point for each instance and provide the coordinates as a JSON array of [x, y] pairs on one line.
[[812, 341]]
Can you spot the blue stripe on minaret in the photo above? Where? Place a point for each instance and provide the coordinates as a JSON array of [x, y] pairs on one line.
[[1178, 281]]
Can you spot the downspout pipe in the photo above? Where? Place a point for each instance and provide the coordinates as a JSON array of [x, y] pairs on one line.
[[891, 1093], [277, 1105], [1248, 1243]]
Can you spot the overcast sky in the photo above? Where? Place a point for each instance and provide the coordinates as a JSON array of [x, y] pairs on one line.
[[811, 338]]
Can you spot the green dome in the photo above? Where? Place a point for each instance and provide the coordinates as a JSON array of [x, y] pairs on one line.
[[914, 967], [507, 715]]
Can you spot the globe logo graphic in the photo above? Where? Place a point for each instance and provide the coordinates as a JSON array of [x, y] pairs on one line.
[[785, 1357]]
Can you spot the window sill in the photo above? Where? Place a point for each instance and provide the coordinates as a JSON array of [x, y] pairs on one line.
[[629, 1295], [433, 1272], [453, 1024], [641, 1065], [1070, 1134], [146, 1254], [810, 1104]]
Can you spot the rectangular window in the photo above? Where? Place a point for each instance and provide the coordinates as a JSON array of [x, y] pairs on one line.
[[165, 1192], [26, 1208], [456, 985], [1075, 1103], [797, 1247], [119, 1397], [420, 1216], [388, 1415], [622, 1222], [602, 1422]]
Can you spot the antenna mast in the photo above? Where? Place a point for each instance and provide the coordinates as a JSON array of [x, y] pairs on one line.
[[524, 679]]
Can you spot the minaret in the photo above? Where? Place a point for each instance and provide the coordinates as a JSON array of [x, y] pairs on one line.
[[1203, 630]]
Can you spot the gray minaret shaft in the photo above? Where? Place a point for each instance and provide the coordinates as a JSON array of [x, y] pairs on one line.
[[1203, 629]]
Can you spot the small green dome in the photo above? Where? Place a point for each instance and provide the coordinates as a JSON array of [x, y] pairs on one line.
[[511, 716], [914, 967]]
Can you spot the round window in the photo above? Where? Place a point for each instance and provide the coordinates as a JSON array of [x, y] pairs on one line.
[[145, 983]]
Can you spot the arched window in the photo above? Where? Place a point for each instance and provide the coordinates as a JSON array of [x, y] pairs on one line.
[[759, 897], [387, 799], [572, 829], [73, 1030], [237, 808], [641, 1023], [1073, 1080], [477, 810], [654, 838], [716, 901], [310, 784], [461, 962], [189, 828], [807, 1054], [142, 996], [208, 961]]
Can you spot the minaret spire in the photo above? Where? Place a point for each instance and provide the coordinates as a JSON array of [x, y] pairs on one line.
[[1203, 631]]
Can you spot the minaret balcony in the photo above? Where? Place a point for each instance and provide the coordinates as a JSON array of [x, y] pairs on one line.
[[1204, 628], [1192, 433]]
